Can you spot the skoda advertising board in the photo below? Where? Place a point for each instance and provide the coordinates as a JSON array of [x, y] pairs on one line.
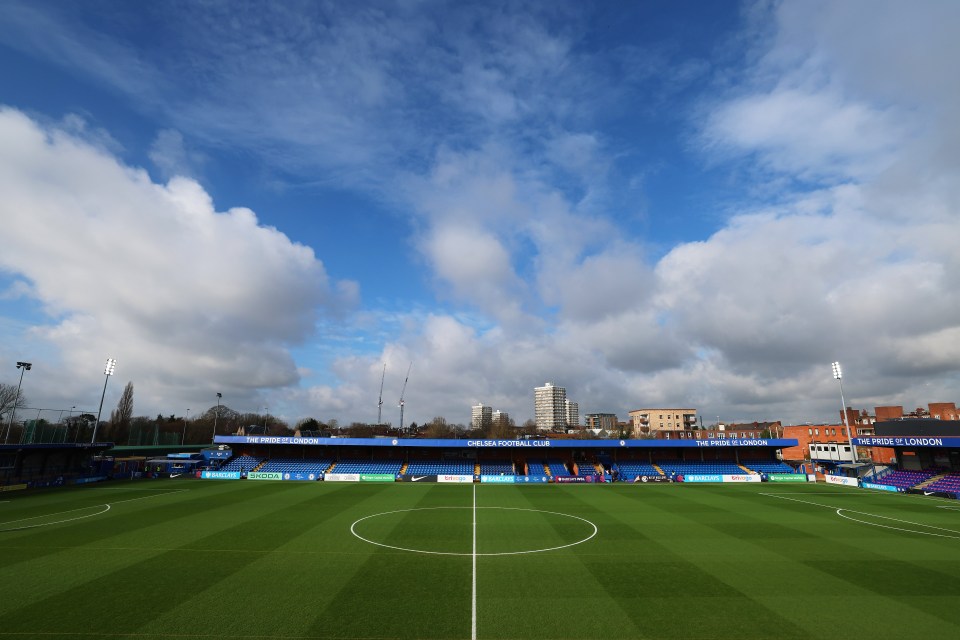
[[264, 475]]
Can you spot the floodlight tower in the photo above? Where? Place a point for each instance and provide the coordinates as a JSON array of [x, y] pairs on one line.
[[838, 375], [403, 391], [24, 367], [215, 417], [380, 401], [107, 372]]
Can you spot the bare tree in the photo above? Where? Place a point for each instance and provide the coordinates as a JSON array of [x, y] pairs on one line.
[[8, 394], [438, 428], [500, 429], [121, 416]]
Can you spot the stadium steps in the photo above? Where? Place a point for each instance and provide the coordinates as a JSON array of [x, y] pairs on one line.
[[259, 466], [748, 470], [403, 468], [330, 468], [927, 483], [546, 470], [659, 470], [476, 469]]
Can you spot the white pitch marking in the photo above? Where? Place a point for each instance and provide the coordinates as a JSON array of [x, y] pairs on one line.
[[886, 526], [473, 599], [57, 513], [457, 553], [839, 511], [44, 524]]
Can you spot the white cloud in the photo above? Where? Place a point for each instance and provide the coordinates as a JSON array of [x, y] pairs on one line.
[[171, 157], [817, 134], [467, 122], [187, 298]]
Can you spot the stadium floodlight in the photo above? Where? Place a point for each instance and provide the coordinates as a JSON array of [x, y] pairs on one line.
[[108, 370], [215, 417], [24, 367], [838, 376]]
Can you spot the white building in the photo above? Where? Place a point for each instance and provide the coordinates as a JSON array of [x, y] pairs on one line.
[[501, 417], [481, 416], [550, 407], [573, 414]]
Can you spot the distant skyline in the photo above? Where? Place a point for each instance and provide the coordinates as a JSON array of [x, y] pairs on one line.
[[663, 203]]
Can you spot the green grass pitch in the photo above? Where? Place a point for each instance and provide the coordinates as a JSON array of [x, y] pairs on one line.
[[183, 559]]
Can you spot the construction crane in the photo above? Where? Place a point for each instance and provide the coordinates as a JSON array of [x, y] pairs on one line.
[[380, 401], [403, 391]]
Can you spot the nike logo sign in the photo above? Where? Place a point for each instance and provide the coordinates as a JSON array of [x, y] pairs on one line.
[[177, 475], [415, 478]]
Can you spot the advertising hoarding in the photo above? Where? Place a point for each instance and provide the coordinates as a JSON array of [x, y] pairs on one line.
[[220, 475], [264, 475]]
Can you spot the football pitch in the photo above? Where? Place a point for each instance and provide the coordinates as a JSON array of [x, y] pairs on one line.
[[183, 559]]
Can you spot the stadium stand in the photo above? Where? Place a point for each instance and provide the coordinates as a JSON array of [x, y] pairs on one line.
[[906, 479], [440, 468], [685, 467], [768, 466], [630, 470], [586, 469], [497, 468], [554, 467], [367, 466], [296, 465], [950, 482], [241, 464]]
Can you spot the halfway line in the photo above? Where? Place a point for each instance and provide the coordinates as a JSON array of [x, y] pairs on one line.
[[473, 614]]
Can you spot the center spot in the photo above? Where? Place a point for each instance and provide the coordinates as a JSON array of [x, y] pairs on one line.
[[449, 530]]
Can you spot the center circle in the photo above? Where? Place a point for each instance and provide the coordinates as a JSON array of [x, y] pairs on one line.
[[441, 524]]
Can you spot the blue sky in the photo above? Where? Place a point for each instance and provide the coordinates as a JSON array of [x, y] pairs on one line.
[[666, 203]]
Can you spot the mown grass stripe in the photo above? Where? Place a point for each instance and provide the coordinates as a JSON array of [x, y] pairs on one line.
[[402, 594]]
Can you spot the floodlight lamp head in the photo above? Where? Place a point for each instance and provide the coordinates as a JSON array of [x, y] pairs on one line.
[[111, 365], [837, 373], [219, 395], [24, 365]]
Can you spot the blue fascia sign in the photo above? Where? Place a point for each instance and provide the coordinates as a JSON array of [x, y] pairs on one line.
[[509, 444]]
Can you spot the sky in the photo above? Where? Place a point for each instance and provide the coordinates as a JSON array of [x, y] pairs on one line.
[[697, 204]]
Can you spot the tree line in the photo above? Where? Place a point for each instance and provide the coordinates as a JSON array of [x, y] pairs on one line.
[[123, 428]]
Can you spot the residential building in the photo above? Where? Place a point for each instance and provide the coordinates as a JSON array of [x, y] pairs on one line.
[[550, 407], [481, 416], [935, 410], [605, 421], [572, 413], [501, 417], [749, 431], [647, 421]]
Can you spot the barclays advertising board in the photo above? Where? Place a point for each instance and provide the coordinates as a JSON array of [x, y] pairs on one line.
[[879, 487], [220, 475], [515, 479], [701, 477], [498, 479]]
